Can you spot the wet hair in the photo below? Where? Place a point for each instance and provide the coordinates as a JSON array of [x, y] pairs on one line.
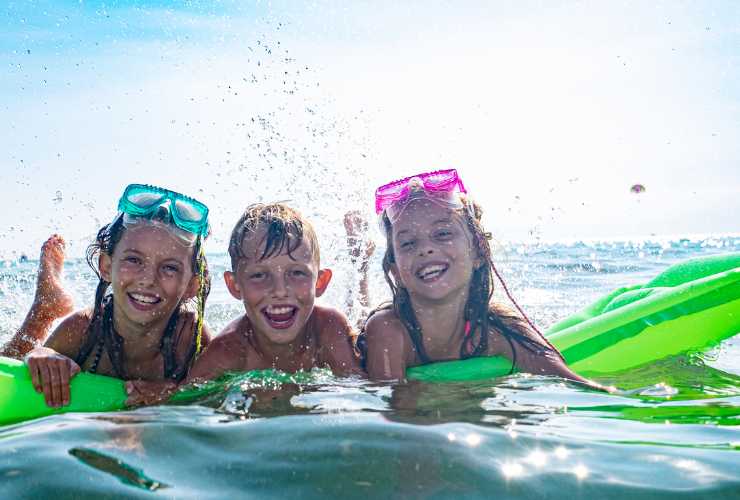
[[285, 227], [485, 317], [101, 334]]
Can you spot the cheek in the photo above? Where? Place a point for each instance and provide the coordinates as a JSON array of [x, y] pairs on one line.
[[122, 272], [251, 294], [305, 289], [403, 265], [173, 283]]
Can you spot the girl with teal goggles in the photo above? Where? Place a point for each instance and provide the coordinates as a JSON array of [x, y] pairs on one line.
[[188, 214]]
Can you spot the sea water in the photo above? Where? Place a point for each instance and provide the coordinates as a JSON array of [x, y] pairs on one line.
[[671, 433]]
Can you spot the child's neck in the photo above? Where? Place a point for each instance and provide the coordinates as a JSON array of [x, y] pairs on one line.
[[142, 342], [442, 325]]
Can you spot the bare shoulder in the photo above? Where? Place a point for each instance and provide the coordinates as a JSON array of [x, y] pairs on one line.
[[186, 330], [233, 336], [389, 350], [186, 324], [331, 322], [68, 336], [385, 326], [335, 341], [228, 351]]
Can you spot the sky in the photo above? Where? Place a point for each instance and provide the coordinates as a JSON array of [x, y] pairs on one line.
[[549, 110]]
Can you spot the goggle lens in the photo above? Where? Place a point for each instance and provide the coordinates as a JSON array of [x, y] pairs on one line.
[[187, 212], [145, 200], [439, 182]]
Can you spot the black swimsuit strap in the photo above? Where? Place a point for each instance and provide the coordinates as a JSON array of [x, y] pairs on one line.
[[105, 338]]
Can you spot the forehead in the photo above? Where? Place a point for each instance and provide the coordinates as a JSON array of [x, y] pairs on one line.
[[254, 244], [421, 213], [153, 241]]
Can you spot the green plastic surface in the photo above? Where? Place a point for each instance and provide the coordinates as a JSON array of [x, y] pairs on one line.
[[19, 401]]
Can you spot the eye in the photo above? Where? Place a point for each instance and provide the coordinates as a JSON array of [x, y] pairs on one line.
[[171, 269], [298, 273], [131, 259], [256, 276], [443, 234], [406, 244]]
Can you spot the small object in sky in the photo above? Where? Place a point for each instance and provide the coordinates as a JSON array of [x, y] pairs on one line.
[[637, 188], [58, 197]]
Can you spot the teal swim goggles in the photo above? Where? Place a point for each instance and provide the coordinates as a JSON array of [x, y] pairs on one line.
[[145, 201]]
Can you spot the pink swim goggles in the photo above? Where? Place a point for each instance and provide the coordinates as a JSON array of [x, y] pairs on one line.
[[443, 187]]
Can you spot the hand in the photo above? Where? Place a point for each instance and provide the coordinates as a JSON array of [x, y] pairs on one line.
[[356, 227], [145, 392], [50, 374]]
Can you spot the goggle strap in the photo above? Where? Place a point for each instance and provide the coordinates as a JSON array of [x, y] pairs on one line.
[[200, 299], [526, 318]]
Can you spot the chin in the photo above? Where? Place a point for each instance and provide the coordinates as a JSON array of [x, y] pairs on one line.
[[282, 338], [436, 293]]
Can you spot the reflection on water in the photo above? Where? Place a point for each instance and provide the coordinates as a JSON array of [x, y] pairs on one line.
[[517, 436]]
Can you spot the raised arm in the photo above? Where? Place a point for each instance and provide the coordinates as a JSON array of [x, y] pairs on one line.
[[361, 248]]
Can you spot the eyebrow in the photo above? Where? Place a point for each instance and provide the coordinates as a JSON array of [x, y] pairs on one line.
[[438, 221], [137, 252]]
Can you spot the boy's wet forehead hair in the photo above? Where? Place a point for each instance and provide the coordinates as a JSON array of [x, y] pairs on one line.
[[285, 230]]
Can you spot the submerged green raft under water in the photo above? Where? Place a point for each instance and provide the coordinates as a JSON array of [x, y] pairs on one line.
[[688, 307]]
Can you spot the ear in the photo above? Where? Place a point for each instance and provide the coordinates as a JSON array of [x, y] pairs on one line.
[[105, 263], [232, 285], [192, 289], [322, 282]]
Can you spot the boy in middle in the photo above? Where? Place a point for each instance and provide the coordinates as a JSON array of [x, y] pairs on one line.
[[275, 272]]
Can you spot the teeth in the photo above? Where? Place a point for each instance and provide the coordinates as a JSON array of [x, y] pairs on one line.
[[277, 311], [144, 298], [427, 271]]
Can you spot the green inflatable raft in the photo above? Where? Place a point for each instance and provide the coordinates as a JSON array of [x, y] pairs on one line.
[[688, 307]]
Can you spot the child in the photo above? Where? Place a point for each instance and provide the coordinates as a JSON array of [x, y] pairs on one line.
[[151, 255], [275, 272], [438, 266]]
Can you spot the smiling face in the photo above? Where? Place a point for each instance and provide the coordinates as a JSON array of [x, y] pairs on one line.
[[278, 292], [150, 272], [433, 250]]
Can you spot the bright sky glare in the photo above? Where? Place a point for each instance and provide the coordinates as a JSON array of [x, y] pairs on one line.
[[551, 111]]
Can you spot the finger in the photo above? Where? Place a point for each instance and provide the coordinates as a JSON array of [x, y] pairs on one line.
[[46, 384], [56, 388], [64, 383], [35, 371], [131, 387], [74, 368], [134, 395]]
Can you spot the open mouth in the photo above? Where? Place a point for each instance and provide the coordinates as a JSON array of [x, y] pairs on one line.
[[431, 272], [143, 301], [280, 317]]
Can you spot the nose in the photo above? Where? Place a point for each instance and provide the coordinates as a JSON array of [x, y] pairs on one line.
[[147, 275], [425, 248], [280, 287]]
